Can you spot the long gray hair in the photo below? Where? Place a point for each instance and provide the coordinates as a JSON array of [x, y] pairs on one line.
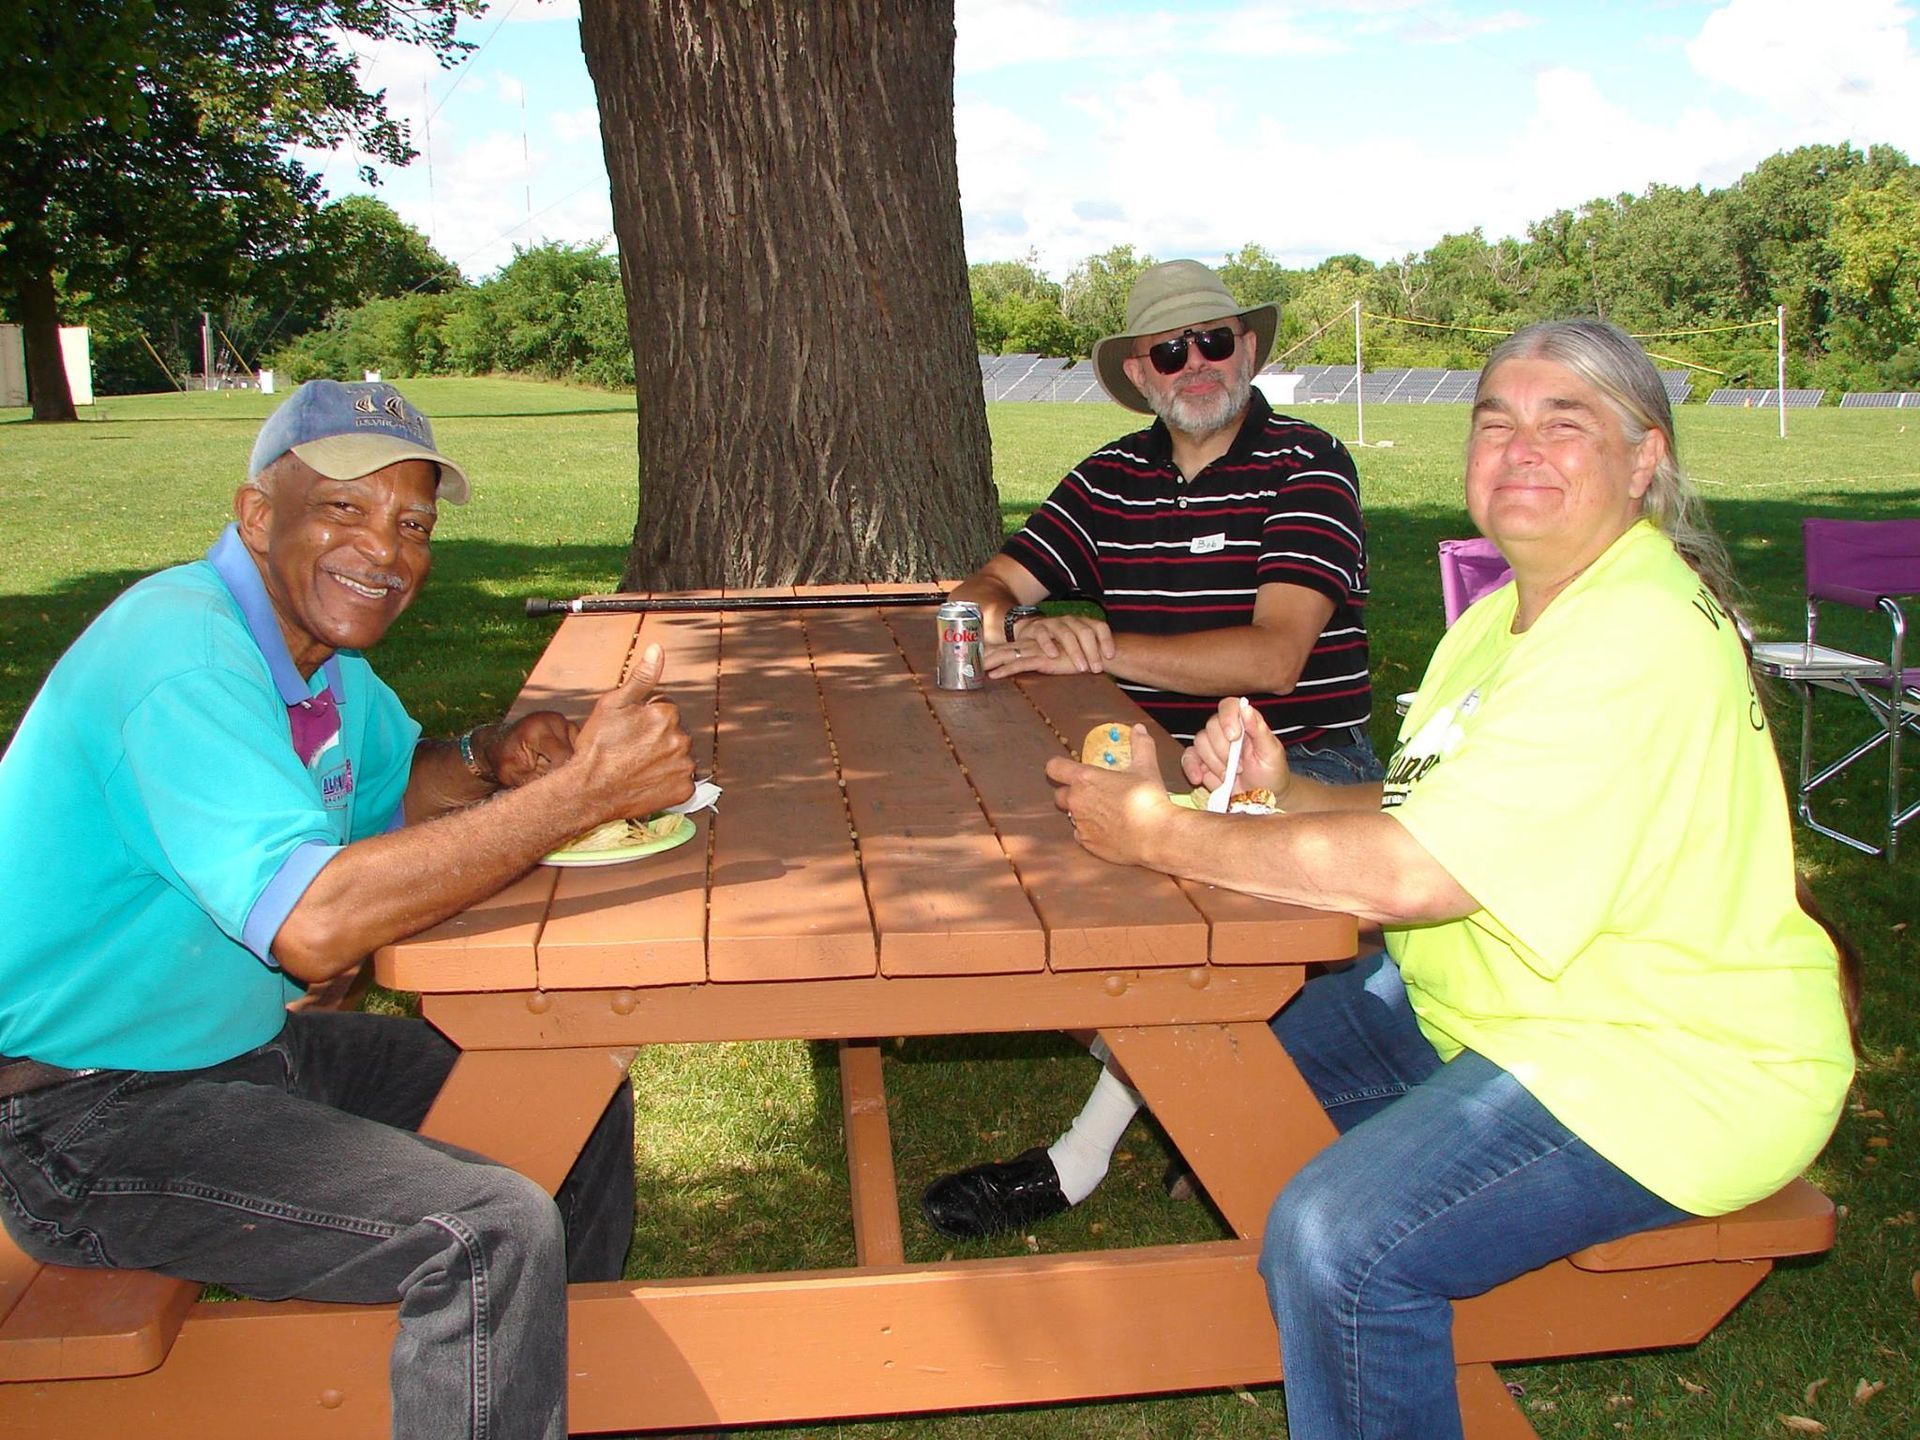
[[1611, 361]]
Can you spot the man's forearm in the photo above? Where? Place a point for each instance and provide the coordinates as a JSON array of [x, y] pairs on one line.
[[384, 888], [992, 596], [1240, 660]]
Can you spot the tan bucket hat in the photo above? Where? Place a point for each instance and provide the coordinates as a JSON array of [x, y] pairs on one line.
[[1174, 296]]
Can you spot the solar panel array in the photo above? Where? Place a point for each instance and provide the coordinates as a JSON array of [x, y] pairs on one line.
[[1679, 385], [1881, 400], [1766, 399], [1036, 377]]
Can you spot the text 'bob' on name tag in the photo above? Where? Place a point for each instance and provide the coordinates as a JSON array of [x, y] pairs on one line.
[[1208, 544]]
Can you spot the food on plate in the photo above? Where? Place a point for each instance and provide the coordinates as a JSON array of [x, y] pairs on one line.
[[1257, 801], [618, 834], [1109, 745]]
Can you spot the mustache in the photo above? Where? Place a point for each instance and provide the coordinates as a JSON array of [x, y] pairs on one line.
[[385, 579]]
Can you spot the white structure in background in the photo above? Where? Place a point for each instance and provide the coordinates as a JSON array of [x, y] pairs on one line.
[[1278, 388], [76, 350], [13, 366], [266, 382], [372, 376]]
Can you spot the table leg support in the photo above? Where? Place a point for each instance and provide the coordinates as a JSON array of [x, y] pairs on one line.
[[1232, 1101], [1488, 1410], [875, 1191], [531, 1109]]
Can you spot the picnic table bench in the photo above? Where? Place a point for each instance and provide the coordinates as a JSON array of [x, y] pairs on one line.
[[886, 861]]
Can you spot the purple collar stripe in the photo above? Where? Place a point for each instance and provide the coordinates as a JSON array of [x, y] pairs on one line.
[[315, 719], [316, 725]]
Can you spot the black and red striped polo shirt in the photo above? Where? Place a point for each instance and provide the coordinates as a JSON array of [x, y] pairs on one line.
[[1166, 556]]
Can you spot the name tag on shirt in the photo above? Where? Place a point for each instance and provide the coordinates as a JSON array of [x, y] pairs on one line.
[[1208, 544]]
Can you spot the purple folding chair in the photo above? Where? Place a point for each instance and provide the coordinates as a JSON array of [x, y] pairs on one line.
[[1468, 570], [1870, 565]]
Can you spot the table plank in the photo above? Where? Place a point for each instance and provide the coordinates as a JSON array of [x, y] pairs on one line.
[[493, 944], [1243, 929], [945, 898], [585, 659], [489, 946], [787, 899], [645, 923], [1098, 916]]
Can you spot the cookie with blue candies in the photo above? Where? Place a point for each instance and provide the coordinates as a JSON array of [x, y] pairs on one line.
[[1108, 745]]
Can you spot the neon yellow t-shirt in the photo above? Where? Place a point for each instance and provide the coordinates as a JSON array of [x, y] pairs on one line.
[[1605, 787]]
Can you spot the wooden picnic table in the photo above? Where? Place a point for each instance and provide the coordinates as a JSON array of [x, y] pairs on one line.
[[886, 860]]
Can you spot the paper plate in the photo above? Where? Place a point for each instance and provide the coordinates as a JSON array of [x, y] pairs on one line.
[[619, 855], [1186, 799]]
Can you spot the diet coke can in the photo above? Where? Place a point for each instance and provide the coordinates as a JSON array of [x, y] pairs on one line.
[[960, 665]]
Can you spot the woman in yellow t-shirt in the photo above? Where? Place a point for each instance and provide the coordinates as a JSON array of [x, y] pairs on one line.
[[1601, 1006]]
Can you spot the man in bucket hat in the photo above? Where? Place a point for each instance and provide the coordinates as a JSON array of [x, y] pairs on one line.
[[1225, 546], [213, 802]]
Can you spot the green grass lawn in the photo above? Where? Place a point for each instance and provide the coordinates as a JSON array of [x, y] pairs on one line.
[[739, 1145]]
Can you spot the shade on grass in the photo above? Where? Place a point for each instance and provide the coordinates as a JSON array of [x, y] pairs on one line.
[[738, 1151]]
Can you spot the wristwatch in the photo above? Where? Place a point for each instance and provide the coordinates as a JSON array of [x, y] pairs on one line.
[[1016, 614]]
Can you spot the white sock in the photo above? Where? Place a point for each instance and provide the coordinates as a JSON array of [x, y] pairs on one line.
[[1083, 1153]]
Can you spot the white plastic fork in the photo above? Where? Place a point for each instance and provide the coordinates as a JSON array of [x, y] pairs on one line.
[[1222, 794]]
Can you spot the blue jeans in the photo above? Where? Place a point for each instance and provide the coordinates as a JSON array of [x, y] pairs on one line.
[[1446, 1180], [291, 1171], [1341, 757]]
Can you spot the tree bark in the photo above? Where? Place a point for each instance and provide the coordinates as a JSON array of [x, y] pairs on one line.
[[788, 210], [39, 312]]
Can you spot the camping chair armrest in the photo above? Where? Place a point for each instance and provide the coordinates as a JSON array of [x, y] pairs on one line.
[[1848, 595]]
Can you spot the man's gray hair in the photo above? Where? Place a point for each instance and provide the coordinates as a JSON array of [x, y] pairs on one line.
[[1613, 362], [270, 474]]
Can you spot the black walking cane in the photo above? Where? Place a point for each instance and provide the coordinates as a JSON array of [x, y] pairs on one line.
[[642, 605]]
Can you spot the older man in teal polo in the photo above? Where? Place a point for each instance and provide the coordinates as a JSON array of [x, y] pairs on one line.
[[215, 802]]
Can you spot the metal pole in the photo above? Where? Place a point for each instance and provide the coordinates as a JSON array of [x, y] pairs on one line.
[[206, 347], [526, 163], [1780, 318], [1359, 378]]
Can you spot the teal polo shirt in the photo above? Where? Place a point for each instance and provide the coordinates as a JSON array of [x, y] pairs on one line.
[[157, 824]]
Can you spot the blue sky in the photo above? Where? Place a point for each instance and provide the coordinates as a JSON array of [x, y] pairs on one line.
[[1370, 126]]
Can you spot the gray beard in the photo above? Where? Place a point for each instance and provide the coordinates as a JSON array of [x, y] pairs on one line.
[[1199, 419]]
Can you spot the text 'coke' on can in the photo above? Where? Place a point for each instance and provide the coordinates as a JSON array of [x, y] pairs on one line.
[[961, 664]]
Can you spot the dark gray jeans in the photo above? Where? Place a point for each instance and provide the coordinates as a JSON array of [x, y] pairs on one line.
[[291, 1171]]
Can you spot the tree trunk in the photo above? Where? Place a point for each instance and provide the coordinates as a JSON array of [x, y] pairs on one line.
[[46, 368], [788, 211]]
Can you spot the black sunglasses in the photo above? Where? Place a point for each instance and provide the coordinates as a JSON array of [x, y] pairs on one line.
[[1169, 357]]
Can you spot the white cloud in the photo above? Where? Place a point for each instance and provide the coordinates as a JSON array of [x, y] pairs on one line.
[[994, 34], [1442, 28], [576, 127], [489, 197], [1844, 69]]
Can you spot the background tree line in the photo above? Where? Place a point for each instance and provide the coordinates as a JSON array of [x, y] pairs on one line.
[[1830, 232]]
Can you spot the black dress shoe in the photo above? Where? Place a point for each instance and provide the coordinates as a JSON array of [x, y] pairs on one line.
[[1000, 1195]]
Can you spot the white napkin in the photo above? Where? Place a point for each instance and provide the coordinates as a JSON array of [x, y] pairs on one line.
[[705, 793]]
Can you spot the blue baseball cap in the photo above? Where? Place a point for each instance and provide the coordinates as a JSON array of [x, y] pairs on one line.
[[349, 429]]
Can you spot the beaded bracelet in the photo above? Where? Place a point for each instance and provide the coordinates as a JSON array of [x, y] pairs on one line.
[[468, 759]]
